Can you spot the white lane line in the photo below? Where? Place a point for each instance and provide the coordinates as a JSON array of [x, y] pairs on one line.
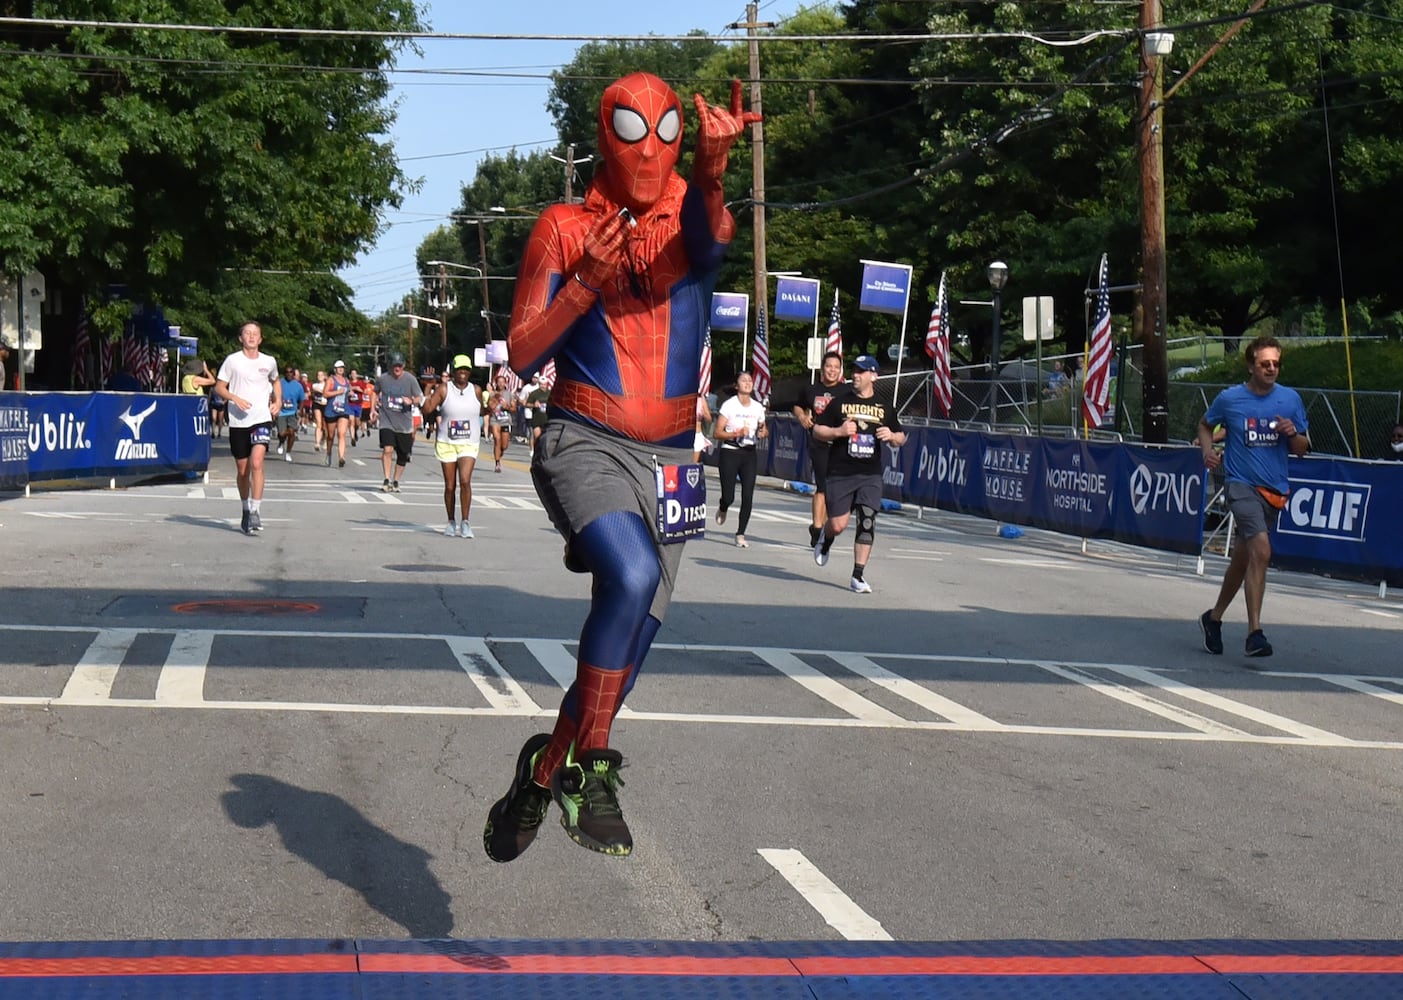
[[388, 498], [832, 904], [1360, 684], [1144, 702], [966, 717], [558, 661], [827, 688], [1308, 733], [501, 691], [1033, 563], [351, 497], [230, 493], [1381, 614], [92, 678], [182, 680]]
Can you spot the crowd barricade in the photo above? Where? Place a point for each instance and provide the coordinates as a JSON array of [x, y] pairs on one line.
[[79, 436], [1341, 519]]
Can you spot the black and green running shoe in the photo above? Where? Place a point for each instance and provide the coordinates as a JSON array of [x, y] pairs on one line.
[[513, 820], [587, 792]]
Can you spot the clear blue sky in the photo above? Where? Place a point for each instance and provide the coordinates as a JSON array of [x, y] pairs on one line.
[[447, 123]]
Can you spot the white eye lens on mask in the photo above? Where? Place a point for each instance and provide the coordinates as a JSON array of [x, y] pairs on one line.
[[1396, 445], [669, 126], [629, 125]]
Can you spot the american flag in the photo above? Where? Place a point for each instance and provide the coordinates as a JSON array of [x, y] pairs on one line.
[[82, 352], [760, 359], [106, 357], [134, 355], [513, 379], [938, 347], [704, 383], [1097, 389], [835, 330]]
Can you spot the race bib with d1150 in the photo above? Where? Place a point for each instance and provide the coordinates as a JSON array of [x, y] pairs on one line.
[[681, 502]]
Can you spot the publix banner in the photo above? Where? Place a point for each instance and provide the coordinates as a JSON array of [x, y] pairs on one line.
[[885, 287], [77, 435], [797, 299], [730, 311], [1343, 513]]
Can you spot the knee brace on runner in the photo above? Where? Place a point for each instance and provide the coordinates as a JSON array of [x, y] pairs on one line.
[[866, 524]]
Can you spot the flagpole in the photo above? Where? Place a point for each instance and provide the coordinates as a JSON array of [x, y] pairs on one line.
[[901, 349]]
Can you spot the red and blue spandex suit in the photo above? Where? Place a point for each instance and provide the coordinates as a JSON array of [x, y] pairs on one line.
[[617, 290]]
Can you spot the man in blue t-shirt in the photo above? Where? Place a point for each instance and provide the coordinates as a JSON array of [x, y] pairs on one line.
[[1265, 423], [293, 395]]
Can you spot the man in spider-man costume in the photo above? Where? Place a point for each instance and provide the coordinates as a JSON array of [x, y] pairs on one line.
[[617, 291]]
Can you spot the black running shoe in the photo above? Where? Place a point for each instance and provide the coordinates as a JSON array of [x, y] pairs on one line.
[[1257, 644], [814, 535], [586, 791], [1212, 633], [513, 820], [245, 524]]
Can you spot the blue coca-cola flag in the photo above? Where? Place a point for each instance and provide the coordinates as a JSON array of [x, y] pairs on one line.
[[730, 311]]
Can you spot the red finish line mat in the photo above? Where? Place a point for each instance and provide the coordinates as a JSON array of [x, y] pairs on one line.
[[419, 970]]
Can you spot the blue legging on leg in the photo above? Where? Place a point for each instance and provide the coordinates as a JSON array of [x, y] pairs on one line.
[[619, 551]]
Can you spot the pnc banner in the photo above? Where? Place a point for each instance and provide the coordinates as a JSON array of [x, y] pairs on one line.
[[730, 311], [797, 299], [77, 435], [885, 287]]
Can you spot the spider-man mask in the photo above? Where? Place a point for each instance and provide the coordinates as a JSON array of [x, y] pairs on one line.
[[640, 134]]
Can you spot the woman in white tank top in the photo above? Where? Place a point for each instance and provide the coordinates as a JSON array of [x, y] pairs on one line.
[[457, 404]]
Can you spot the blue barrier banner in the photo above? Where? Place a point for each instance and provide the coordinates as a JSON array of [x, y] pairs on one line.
[[1076, 485], [730, 311], [797, 299], [77, 435], [1343, 514], [14, 441], [1159, 498], [787, 454], [885, 287]]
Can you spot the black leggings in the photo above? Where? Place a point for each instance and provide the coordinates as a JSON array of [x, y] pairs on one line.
[[732, 462]]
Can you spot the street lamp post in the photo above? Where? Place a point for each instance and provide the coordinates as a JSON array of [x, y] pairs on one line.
[[998, 277]]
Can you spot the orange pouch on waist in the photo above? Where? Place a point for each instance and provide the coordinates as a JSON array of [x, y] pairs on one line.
[[1277, 500]]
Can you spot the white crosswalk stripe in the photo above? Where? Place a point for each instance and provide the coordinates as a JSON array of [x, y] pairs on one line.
[[846, 680]]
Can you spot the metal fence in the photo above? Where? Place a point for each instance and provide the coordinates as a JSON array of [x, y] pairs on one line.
[[1019, 401]]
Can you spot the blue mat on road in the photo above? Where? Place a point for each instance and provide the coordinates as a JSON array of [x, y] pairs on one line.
[[625, 970]]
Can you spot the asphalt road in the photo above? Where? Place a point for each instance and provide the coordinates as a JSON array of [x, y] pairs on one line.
[[1009, 739]]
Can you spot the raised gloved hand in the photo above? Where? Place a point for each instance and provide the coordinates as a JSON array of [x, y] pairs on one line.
[[717, 130]]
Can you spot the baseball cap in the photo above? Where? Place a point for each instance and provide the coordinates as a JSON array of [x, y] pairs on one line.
[[396, 359], [461, 361], [339, 364], [866, 363]]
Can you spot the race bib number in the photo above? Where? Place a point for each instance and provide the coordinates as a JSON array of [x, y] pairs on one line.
[[460, 430], [261, 434], [397, 404], [502, 418], [338, 405], [863, 444], [681, 502]]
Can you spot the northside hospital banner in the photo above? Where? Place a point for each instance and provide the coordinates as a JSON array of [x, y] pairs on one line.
[[1341, 518], [91, 435]]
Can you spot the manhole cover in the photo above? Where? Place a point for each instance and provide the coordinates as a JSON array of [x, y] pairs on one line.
[[246, 606], [424, 568]]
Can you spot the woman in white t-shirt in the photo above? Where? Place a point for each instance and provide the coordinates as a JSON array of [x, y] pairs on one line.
[[739, 425]]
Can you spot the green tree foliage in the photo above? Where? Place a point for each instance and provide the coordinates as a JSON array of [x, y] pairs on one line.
[[162, 160]]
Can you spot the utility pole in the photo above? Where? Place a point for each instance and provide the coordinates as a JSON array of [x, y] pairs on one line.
[[570, 161], [486, 303], [443, 315], [757, 150], [1154, 45]]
